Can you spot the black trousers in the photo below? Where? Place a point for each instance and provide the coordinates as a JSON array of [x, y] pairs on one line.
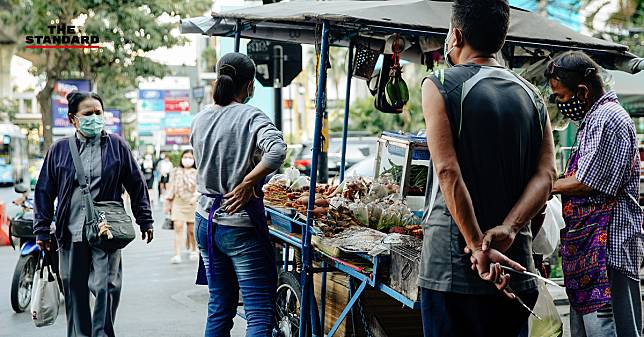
[[460, 315]]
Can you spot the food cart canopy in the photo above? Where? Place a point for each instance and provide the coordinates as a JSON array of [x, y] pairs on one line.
[[630, 89], [295, 21]]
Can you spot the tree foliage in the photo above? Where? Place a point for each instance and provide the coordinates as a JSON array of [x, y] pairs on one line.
[[126, 29]]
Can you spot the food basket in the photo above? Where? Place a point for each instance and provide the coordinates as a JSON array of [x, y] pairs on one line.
[[405, 268]]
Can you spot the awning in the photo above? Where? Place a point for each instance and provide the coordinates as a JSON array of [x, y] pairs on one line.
[[630, 89], [295, 21]]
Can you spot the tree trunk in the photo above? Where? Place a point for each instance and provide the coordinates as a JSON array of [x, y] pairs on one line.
[[542, 7], [55, 63], [44, 99]]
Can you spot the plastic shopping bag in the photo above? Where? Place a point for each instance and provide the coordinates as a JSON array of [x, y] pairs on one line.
[[550, 324], [45, 298], [545, 242]]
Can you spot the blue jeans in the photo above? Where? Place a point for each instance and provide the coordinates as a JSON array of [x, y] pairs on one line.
[[461, 315], [242, 260], [622, 317]]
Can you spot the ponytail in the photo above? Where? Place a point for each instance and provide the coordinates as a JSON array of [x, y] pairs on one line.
[[234, 72], [225, 90]]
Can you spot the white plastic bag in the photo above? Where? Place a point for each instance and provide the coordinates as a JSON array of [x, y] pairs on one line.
[[550, 324], [545, 242], [292, 173], [45, 298]]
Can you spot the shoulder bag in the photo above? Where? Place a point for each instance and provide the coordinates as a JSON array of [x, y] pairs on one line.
[[107, 225]]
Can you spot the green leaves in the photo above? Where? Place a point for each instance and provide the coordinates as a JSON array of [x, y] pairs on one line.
[[127, 28]]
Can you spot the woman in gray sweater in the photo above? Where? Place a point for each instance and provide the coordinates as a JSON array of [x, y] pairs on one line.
[[235, 147]]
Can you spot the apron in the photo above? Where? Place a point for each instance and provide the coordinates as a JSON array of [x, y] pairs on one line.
[[257, 215], [584, 246]]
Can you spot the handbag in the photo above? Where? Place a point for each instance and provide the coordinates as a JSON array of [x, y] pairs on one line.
[[45, 297], [107, 225], [168, 224]]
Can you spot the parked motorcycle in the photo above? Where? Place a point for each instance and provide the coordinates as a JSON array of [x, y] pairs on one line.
[[21, 228]]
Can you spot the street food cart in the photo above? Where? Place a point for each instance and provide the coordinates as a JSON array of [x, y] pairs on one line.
[[367, 28]]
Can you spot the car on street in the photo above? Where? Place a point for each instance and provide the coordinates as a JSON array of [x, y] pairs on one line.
[[358, 148]]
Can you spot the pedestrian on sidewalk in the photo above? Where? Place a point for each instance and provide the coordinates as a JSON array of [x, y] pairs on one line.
[[110, 167], [492, 152], [236, 146], [181, 201], [148, 168], [165, 168], [601, 243]]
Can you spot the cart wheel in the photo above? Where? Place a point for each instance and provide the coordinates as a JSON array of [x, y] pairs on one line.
[[288, 301]]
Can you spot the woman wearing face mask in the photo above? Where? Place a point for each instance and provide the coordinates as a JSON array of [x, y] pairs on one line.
[[110, 167], [182, 201], [236, 146], [600, 244]]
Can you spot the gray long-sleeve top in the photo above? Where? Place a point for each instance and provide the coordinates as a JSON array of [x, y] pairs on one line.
[[228, 142], [90, 156]]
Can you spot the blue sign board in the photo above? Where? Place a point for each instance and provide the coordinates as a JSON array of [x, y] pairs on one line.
[[151, 105], [59, 100], [176, 93], [151, 94], [177, 120], [113, 121]]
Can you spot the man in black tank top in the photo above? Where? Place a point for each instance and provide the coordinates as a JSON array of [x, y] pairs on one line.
[[492, 154]]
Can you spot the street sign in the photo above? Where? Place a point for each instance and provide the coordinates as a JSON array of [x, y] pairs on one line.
[[176, 105], [278, 63], [60, 121], [198, 93], [113, 121]]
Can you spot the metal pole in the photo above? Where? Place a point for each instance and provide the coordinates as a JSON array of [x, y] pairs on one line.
[[238, 30], [323, 298], [278, 83], [345, 126], [306, 278]]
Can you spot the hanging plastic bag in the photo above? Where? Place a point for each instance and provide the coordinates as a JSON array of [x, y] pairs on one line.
[[279, 179], [550, 324], [299, 184], [292, 173], [545, 242], [45, 298]]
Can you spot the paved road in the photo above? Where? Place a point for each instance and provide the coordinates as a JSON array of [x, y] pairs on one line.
[[158, 299]]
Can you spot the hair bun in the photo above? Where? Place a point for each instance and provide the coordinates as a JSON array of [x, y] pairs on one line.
[[71, 94]]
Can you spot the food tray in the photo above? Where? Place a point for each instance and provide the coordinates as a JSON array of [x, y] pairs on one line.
[[353, 240], [322, 244]]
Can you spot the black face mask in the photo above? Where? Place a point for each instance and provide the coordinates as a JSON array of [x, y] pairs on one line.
[[573, 109]]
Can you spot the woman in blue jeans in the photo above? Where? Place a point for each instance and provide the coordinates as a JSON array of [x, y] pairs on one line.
[[235, 147]]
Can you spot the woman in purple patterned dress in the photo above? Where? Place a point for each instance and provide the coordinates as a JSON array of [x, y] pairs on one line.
[[600, 244]]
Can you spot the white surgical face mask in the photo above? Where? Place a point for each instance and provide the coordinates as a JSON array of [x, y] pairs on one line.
[[445, 46], [187, 162]]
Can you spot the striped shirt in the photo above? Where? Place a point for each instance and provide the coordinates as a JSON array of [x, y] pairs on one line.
[[609, 163]]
